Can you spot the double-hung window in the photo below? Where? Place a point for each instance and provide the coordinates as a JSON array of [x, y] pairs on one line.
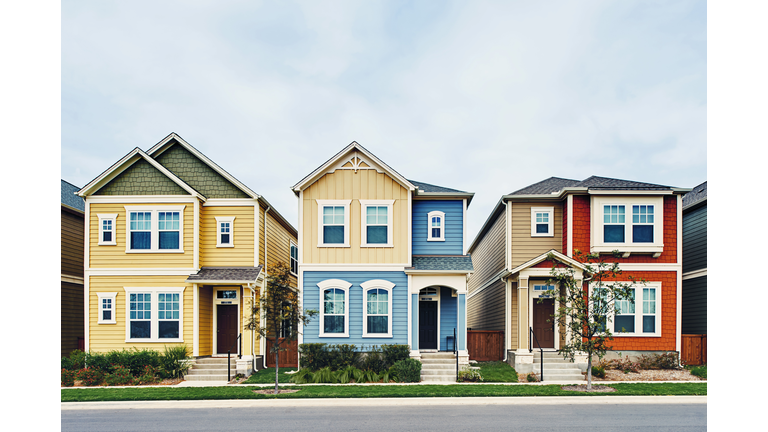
[[614, 219], [154, 229], [376, 223], [333, 223], [334, 310], [154, 314], [627, 224], [436, 226], [642, 223], [641, 318], [377, 308], [106, 307], [225, 231], [294, 259], [542, 221], [107, 229]]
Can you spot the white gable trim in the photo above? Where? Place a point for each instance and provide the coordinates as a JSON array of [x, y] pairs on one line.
[[558, 256]]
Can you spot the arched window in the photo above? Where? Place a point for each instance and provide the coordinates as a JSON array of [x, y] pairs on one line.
[[377, 308], [334, 308], [436, 226]]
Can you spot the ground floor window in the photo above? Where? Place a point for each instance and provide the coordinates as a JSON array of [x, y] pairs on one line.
[[154, 314]]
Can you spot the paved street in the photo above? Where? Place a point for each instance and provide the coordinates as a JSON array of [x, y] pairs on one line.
[[667, 413]]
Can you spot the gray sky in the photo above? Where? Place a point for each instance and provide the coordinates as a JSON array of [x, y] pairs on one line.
[[486, 97]]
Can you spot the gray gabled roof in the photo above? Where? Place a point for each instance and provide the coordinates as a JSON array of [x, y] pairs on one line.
[[68, 197], [556, 184], [696, 195], [426, 187], [552, 184], [442, 262], [236, 275]]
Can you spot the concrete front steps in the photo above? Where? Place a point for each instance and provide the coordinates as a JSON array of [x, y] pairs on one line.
[[438, 367], [556, 368], [211, 369]]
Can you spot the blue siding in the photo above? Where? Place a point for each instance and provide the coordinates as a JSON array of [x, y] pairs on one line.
[[454, 227], [447, 318], [311, 300]]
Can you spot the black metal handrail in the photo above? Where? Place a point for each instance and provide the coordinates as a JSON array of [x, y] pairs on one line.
[[456, 353], [239, 355], [541, 350]]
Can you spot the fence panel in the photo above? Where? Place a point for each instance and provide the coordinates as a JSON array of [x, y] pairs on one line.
[[485, 345], [694, 349], [289, 358]]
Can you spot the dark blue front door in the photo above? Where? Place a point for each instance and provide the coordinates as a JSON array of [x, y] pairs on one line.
[[427, 325]]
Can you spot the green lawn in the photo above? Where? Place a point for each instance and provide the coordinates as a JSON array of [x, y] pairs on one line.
[[699, 371], [497, 372], [369, 391], [267, 376]]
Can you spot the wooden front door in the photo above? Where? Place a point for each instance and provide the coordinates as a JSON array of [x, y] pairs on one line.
[[544, 331], [226, 328], [427, 325]]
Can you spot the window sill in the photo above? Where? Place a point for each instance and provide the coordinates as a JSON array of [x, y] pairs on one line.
[[379, 245], [149, 251], [333, 335], [542, 235], [636, 335], [108, 244], [107, 322], [225, 246], [632, 248], [373, 335], [154, 340], [333, 245], [436, 239]]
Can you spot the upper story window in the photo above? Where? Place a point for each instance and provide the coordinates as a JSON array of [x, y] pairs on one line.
[[334, 310], [436, 226], [376, 223], [294, 258], [542, 221], [225, 231], [154, 229], [107, 229], [333, 223], [627, 224]]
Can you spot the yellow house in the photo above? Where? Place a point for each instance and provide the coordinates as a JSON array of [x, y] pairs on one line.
[[176, 252]]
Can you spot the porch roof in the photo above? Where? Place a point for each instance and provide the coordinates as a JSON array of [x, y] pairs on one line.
[[222, 275], [462, 263]]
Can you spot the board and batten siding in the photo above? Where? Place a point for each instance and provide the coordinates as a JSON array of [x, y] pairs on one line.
[[454, 227], [523, 246], [488, 257], [695, 239], [242, 252], [354, 186], [312, 300], [108, 337], [115, 256]]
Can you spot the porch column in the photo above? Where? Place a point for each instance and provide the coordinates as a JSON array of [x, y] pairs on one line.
[[195, 321], [522, 314], [415, 326]]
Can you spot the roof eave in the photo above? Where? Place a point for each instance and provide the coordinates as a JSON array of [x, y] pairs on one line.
[[467, 195]]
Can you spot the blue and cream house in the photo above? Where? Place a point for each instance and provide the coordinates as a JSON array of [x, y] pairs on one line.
[[381, 257]]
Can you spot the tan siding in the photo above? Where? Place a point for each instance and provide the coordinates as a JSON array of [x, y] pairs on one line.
[[115, 256], [366, 185], [108, 337], [242, 253], [72, 316], [523, 246], [72, 243], [488, 258]]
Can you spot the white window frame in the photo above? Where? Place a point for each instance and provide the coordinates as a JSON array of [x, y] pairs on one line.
[[598, 242], [441, 215], [330, 284], [111, 296], [320, 232], [231, 221], [154, 326], [364, 204], [154, 228], [292, 259], [383, 285], [112, 217], [638, 287], [550, 211]]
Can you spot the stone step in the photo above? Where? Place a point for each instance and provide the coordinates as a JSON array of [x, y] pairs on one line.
[[437, 355], [429, 372], [438, 362], [222, 378], [558, 365], [217, 371], [438, 366], [562, 377], [439, 379]]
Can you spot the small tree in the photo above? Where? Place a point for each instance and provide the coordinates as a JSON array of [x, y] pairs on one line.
[[584, 312], [278, 307]]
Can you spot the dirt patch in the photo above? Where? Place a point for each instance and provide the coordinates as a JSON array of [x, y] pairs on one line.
[[595, 388], [168, 381], [272, 391], [649, 375]]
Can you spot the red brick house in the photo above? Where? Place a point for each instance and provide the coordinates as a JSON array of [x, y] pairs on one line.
[[643, 221]]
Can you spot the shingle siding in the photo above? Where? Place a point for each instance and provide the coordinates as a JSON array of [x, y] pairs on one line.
[[141, 178], [198, 174]]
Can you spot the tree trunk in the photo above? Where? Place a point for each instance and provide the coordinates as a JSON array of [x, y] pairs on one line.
[[589, 372], [277, 364]]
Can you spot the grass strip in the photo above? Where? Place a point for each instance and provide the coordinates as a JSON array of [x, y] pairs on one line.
[[497, 372], [330, 391], [267, 376]]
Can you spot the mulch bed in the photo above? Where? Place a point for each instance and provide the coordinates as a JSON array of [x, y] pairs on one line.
[[595, 388], [169, 381]]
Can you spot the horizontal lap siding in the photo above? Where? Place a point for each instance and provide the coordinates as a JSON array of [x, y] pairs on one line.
[[72, 316], [448, 317], [72, 243], [695, 239], [108, 337], [488, 257], [312, 298], [279, 244], [242, 253], [524, 247], [115, 256], [454, 227], [695, 305], [486, 310]]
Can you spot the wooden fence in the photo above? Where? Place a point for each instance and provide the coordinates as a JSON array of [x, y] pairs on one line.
[[289, 358], [485, 345], [694, 349]]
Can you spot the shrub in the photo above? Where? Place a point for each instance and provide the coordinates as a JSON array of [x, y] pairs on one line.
[[67, 377], [467, 374], [172, 362], [370, 376], [373, 360], [74, 362], [598, 371], [148, 375], [90, 376], [349, 374], [625, 365], [303, 376], [408, 370], [121, 375], [531, 377], [324, 375], [98, 361], [342, 355], [395, 353], [699, 371], [660, 361], [314, 356]]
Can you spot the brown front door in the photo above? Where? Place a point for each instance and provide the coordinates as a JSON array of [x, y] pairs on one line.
[[543, 330], [226, 328]]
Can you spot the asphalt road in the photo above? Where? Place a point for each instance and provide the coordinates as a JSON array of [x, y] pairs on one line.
[[593, 414]]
